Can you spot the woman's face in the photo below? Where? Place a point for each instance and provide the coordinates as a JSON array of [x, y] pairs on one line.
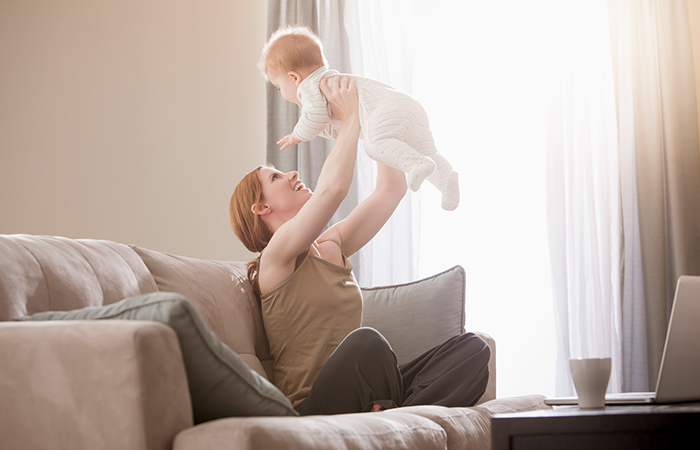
[[283, 192]]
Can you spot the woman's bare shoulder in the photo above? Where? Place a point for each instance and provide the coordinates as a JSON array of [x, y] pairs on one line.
[[271, 272], [330, 246]]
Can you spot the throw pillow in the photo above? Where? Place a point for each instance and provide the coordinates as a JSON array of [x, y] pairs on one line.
[[415, 317], [224, 298], [220, 383]]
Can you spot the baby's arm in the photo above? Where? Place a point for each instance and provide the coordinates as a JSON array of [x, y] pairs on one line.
[[288, 141], [330, 132], [315, 116]]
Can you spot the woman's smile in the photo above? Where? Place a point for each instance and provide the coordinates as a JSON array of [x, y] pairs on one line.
[[299, 186]]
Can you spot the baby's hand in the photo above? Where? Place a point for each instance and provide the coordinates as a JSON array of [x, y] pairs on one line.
[[288, 141]]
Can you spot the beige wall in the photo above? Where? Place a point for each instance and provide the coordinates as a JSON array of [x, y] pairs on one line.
[[694, 14], [129, 120]]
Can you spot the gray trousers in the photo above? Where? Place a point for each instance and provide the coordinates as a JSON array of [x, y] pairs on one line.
[[364, 370]]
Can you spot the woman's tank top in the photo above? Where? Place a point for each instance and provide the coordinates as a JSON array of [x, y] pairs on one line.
[[306, 318]]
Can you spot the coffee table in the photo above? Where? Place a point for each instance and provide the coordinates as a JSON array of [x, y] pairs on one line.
[[612, 427]]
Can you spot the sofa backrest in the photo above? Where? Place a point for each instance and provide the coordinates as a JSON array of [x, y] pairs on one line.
[[47, 273], [223, 296], [42, 273]]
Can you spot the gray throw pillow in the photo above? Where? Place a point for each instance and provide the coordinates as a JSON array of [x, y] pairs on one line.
[[220, 383], [415, 317]]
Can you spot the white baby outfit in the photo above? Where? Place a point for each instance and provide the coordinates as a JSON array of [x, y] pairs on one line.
[[395, 131]]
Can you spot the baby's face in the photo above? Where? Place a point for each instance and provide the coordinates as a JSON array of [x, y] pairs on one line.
[[286, 84]]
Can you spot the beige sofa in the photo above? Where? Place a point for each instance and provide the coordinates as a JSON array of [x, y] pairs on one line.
[[128, 384]]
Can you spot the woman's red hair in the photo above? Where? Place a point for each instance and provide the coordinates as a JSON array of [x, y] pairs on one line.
[[247, 225]]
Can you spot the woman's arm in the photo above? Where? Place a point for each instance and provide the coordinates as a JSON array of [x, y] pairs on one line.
[[365, 221], [297, 234]]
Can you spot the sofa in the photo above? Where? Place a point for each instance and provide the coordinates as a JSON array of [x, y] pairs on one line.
[[190, 366]]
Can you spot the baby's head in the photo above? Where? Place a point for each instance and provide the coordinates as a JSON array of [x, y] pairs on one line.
[[292, 48]]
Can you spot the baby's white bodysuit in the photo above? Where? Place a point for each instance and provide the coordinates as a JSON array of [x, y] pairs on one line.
[[395, 131]]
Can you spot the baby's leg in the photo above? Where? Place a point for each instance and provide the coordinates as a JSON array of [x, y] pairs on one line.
[[443, 177], [447, 180], [398, 154]]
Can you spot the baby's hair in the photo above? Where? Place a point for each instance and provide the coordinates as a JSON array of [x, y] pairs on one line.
[[292, 48]]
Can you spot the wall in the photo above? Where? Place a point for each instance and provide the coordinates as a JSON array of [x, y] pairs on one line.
[[130, 121], [694, 15]]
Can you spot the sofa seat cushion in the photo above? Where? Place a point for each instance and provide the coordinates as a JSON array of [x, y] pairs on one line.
[[222, 294], [515, 404], [471, 427], [465, 427], [345, 431], [220, 383]]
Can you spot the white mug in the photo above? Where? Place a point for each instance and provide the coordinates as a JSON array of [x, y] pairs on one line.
[[591, 377]]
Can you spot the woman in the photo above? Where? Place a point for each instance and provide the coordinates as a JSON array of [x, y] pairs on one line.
[[311, 304]]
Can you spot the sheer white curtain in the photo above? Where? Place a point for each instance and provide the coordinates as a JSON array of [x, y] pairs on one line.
[[485, 72], [477, 69], [585, 216], [480, 70], [522, 101], [381, 47]]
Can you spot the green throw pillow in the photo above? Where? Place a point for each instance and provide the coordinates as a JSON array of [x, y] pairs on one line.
[[221, 384]]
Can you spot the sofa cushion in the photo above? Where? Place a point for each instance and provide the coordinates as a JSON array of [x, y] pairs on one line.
[[467, 428], [344, 431], [49, 273], [221, 384], [471, 427], [415, 317], [224, 298], [522, 403]]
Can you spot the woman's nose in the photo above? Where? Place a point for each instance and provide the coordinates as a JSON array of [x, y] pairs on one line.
[[293, 175]]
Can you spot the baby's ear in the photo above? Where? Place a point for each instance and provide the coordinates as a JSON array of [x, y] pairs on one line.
[[295, 76]]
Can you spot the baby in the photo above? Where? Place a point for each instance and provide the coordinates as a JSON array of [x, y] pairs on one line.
[[394, 125]]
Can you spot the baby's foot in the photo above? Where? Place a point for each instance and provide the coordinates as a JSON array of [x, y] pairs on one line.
[[450, 192], [419, 173]]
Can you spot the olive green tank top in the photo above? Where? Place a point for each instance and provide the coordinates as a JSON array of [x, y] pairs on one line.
[[306, 318]]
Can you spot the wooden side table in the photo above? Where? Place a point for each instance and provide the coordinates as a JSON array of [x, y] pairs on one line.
[[614, 427]]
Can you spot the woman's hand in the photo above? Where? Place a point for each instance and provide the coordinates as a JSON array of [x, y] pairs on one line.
[[342, 96]]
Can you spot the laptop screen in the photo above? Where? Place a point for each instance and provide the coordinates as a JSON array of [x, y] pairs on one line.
[[679, 375]]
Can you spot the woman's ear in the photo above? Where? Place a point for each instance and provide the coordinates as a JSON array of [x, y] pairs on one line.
[[261, 209]]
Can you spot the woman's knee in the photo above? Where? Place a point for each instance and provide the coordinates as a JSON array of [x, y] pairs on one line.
[[475, 345], [368, 342]]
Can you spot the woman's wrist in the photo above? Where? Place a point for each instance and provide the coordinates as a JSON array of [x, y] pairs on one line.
[[352, 120]]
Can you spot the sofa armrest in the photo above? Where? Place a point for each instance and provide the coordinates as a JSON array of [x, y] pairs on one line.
[[110, 384], [490, 392]]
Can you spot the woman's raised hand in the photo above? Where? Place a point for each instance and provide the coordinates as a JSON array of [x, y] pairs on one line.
[[342, 96]]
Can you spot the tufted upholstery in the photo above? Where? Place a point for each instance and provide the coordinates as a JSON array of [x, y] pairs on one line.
[[42, 273], [49, 273]]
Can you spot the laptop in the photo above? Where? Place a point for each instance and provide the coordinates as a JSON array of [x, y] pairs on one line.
[[679, 375]]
